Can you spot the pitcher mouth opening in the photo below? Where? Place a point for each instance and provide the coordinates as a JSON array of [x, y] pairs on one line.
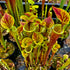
[[37, 38], [57, 28], [28, 49], [32, 28], [26, 42]]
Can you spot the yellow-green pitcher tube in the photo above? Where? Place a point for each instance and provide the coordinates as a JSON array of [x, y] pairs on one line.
[[2, 40]]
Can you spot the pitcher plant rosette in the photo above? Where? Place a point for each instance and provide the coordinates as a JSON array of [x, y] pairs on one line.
[[35, 37], [61, 62], [6, 48], [6, 64]]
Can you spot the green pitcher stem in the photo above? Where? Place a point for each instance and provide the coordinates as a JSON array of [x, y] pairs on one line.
[[30, 56], [65, 28], [3, 42], [25, 61], [34, 53], [38, 55], [17, 42]]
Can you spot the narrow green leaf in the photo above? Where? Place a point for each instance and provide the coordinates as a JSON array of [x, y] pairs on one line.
[[16, 17], [9, 7], [12, 10], [68, 6], [62, 3], [27, 6], [20, 7]]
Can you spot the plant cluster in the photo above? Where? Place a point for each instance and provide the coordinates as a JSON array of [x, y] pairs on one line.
[[35, 37]]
